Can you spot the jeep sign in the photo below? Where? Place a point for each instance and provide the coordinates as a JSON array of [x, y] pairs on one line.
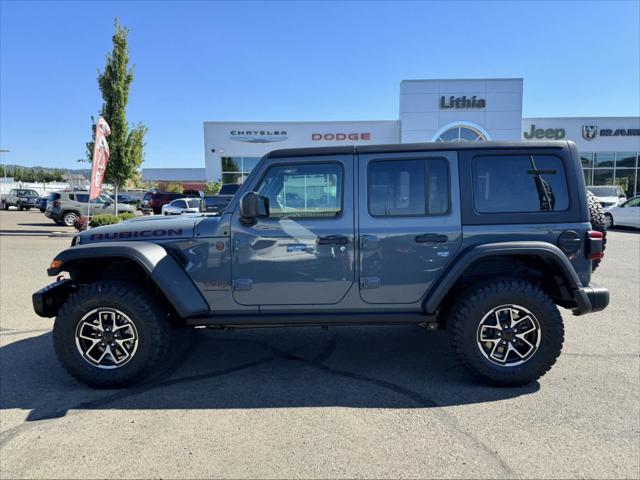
[[548, 133]]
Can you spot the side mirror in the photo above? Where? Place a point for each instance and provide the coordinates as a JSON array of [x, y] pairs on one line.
[[253, 206]]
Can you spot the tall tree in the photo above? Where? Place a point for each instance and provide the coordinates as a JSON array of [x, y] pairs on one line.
[[126, 146]]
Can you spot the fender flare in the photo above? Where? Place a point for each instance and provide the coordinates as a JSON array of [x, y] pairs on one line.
[[548, 251], [161, 267]]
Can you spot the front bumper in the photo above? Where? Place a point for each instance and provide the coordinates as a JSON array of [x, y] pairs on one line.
[[593, 298], [48, 300]]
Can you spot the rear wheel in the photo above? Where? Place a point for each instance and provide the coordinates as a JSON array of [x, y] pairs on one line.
[[598, 221], [608, 220], [110, 334], [507, 332]]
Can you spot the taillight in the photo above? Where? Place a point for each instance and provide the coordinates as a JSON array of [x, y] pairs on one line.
[[595, 251]]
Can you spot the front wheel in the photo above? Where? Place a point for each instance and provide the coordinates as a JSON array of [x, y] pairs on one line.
[[110, 334], [507, 332]]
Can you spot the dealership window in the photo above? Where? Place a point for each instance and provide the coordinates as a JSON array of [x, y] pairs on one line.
[[235, 169], [587, 160], [612, 168], [515, 184], [461, 133], [603, 159], [305, 190], [408, 187]]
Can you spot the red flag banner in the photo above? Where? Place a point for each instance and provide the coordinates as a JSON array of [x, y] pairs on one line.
[[100, 157]]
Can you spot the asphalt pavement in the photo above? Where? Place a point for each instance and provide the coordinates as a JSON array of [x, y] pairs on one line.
[[347, 402]]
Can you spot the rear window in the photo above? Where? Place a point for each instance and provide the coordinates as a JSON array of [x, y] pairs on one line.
[[518, 184]]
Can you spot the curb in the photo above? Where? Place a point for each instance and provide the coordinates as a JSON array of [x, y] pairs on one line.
[[62, 234]]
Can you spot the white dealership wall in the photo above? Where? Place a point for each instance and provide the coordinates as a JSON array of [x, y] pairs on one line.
[[255, 139], [427, 109]]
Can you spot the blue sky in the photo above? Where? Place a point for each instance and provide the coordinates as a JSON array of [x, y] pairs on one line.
[[295, 61]]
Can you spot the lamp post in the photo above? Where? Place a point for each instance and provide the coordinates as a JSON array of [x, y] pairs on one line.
[[4, 167]]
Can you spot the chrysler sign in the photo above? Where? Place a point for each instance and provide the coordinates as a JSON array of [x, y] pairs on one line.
[[258, 136]]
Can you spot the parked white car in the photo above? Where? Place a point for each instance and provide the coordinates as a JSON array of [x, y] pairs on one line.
[[609, 195], [627, 214], [181, 206]]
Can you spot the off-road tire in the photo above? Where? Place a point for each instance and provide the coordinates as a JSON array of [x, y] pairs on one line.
[[20, 207], [598, 223], [5, 206], [69, 218], [466, 314], [150, 320]]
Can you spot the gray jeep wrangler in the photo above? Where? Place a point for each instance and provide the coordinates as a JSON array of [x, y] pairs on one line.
[[483, 239]]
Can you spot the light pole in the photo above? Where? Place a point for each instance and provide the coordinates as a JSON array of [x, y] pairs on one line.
[[4, 167]]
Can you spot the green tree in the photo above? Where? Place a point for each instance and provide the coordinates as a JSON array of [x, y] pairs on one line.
[[212, 188], [173, 187], [126, 146]]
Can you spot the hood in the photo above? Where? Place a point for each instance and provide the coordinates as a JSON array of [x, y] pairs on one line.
[[152, 228]]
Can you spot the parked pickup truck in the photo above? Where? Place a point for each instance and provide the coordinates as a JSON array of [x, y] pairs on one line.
[[483, 239], [22, 198]]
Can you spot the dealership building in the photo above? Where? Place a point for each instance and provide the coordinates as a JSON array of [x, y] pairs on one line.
[[429, 111]]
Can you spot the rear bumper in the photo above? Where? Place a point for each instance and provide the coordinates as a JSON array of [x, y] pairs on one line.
[[593, 298]]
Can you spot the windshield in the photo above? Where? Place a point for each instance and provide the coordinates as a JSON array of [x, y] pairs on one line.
[[605, 191], [27, 193]]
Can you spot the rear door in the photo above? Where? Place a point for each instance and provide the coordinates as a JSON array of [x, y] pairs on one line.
[[303, 253], [409, 223]]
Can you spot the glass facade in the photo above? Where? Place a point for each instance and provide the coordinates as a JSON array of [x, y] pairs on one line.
[[612, 168], [235, 169]]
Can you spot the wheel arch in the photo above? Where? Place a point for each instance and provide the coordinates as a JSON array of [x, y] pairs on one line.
[[541, 262], [90, 262]]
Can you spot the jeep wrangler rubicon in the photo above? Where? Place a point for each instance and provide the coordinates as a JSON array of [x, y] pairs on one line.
[[483, 239]]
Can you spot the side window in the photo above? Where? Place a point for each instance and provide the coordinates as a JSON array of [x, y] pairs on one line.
[[634, 202], [303, 190], [408, 187], [518, 184], [72, 196], [81, 197]]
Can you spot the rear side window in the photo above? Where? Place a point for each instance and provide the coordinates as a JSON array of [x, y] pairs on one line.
[[518, 184], [408, 187]]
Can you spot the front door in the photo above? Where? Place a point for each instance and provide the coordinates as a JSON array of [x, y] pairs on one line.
[[409, 223], [303, 253]]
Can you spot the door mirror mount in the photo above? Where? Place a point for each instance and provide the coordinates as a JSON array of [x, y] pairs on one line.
[[253, 206]]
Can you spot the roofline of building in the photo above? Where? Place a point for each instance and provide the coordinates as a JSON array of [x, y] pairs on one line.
[[458, 79], [283, 122]]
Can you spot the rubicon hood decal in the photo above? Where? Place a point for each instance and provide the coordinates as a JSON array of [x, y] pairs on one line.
[[148, 228]]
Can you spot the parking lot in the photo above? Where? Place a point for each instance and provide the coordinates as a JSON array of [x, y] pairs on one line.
[[373, 402]]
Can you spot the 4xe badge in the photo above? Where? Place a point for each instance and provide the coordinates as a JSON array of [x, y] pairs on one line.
[[589, 132]]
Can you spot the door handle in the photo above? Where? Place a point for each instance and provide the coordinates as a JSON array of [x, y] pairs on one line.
[[333, 240], [431, 238]]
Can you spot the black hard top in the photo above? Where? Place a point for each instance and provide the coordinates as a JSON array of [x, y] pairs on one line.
[[414, 147]]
